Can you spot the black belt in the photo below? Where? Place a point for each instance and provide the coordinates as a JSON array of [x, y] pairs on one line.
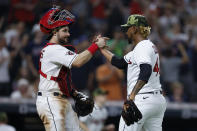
[[152, 92], [55, 94]]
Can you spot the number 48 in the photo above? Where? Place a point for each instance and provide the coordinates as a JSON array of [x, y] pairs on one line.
[[156, 67]]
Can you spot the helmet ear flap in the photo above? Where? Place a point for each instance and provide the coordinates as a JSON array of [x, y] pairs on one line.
[[44, 29]]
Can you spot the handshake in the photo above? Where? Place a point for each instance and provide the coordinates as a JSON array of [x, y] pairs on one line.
[[100, 41]]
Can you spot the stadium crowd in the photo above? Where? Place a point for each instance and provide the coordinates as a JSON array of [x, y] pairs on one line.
[[174, 31]]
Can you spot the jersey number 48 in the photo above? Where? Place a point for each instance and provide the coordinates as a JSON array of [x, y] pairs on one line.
[[156, 67]]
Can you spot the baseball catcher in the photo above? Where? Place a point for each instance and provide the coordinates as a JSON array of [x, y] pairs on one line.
[[55, 86]]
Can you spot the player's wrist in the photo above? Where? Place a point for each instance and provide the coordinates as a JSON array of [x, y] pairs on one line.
[[93, 48], [131, 97]]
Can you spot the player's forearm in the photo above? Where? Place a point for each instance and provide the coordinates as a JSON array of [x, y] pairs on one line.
[[108, 55], [145, 73], [185, 57], [136, 89], [82, 58], [86, 55]]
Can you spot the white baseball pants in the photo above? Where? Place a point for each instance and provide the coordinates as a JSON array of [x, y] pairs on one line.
[[152, 107], [56, 113]]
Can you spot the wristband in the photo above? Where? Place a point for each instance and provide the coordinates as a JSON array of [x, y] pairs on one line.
[[93, 48]]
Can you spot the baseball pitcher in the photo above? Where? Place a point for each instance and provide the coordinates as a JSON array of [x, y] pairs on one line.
[[56, 60], [145, 105]]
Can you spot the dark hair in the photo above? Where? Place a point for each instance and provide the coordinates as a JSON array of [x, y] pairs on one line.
[[3, 117], [54, 30], [50, 36]]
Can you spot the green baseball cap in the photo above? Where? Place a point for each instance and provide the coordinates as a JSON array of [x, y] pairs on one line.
[[3, 117], [136, 20], [99, 91]]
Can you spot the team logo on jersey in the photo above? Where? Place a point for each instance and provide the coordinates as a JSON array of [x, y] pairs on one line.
[[70, 53], [155, 49], [129, 62]]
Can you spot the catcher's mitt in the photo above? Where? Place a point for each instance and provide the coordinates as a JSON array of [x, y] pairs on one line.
[[83, 104], [130, 113]]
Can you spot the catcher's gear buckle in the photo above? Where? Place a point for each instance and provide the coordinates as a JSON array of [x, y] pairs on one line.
[[48, 77]]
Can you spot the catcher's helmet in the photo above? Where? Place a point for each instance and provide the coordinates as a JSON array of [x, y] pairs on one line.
[[55, 18]]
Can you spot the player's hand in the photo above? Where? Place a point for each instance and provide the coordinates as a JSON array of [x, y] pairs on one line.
[[101, 41], [83, 104], [130, 113]]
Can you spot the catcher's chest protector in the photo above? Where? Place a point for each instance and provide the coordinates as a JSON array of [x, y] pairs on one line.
[[64, 81], [64, 78]]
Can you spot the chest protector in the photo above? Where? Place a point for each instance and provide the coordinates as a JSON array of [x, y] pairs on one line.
[[64, 77]]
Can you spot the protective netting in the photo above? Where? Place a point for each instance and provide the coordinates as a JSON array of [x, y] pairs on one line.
[[60, 15]]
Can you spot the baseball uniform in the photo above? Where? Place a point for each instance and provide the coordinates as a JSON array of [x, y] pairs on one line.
[[149, 99], [52, 104]]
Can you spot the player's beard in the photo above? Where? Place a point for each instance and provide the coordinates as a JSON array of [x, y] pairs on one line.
[[62, 40], [130, 41]]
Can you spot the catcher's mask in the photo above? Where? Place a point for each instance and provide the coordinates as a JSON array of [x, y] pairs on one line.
[[54, 18]]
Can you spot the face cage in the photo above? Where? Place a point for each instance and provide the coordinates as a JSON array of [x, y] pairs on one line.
[[60, 15]]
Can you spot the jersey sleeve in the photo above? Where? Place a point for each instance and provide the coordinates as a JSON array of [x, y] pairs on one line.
[[63, 56], [142, 54], [127, 57]]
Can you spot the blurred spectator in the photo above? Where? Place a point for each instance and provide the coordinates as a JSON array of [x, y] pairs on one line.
[[177, 93], [2, 19], [110, 78], [194, 59], [96, 120], [116, 14], [83, 77], [192, 8], [5, 89], [22, 10], [98, 15], [170, 65], [10, 33], [33, 49], [135, 7], [17, 52], [3, 123], [23, 90], [175, 33], [168, 18], [23, 73], [117, 44], [78, 8]]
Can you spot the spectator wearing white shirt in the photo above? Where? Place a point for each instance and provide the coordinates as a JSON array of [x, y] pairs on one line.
[[23, 90], [3, 123], [96, 120], [4, 69]]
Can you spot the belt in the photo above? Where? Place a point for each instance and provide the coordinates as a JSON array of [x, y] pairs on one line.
[[152, 92], [54, 94]]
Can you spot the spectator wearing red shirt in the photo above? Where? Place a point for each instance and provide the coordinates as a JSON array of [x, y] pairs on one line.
[[135, 7], [22, 10], [98, 20]]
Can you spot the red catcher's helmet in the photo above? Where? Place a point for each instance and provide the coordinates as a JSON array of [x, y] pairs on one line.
[[55, 18]]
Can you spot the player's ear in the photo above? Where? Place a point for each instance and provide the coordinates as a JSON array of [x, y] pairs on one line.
[[135, 29], [54, 32]]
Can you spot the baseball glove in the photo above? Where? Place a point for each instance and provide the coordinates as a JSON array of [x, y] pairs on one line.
[[130, 113], [83, 104]]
